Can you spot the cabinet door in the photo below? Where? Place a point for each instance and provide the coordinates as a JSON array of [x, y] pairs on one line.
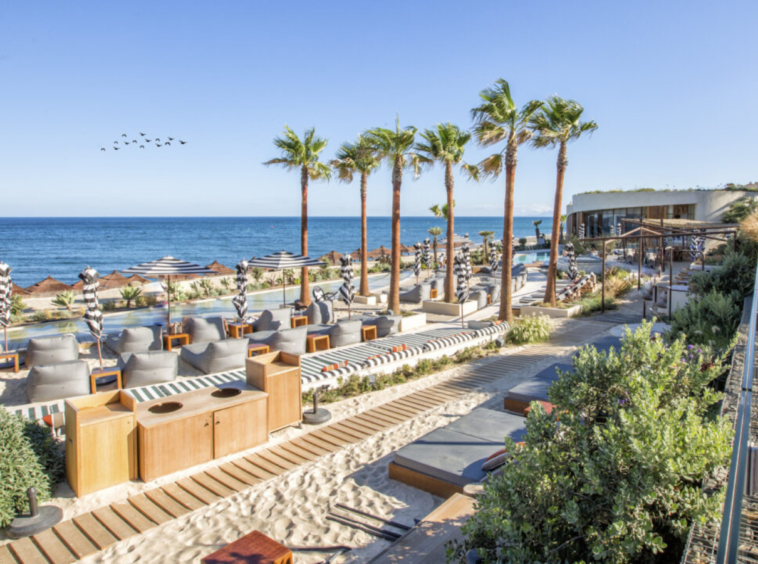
[[175, 445], [284, 398], [105, 454], [239, 428]]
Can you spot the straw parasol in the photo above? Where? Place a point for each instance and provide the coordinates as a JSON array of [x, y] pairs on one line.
[[49, 286], [379, 252], [281, 261], [137, 279], [406, 250], [219, 268], [18, 290], [332, 257]]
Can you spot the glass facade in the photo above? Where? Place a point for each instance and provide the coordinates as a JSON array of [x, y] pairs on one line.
[[604, 223]]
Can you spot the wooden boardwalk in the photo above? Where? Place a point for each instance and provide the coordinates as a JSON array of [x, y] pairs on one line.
[[87, 534]]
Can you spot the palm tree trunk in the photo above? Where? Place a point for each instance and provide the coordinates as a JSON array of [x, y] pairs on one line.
[[450, 246], [552, 270], [397, 180], [506, 304], [305, 296], [434, 246], [364, 243]]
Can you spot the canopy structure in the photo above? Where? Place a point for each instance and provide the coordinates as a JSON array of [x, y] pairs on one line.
[[49, 286], [332, 257], [281, 261], [219, 268], [168, 267]]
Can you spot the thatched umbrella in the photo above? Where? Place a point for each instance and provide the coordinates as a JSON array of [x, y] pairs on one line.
[[219, 268], [136, 279], [107, 282], [378, 253], [332, 257], [406, 250], [49, 286], [18, 290]]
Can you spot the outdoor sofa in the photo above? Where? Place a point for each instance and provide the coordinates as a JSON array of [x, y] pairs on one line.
[[210, 351], [417, 294], [147, 368], [291, 341], [273, 319], [386, 325], [136, 339], [51, 350], [342, 333], [48, 382]]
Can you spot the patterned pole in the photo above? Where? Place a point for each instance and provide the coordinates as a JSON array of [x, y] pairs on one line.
[[428, 258], [494, 259], [461, 291], [571, 255], [347, 290], [417, 263], [6, 303], [92, 315], [240, 300]]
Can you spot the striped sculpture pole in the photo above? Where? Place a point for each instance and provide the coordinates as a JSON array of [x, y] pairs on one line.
[[428, 259], [461, 291], [571, 256], [240, 300], [467, 262], [92, 315], [494, 259], [347, 290], [6, 302], [417, 262]]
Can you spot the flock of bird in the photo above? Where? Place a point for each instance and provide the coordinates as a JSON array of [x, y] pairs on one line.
[[143, 139]]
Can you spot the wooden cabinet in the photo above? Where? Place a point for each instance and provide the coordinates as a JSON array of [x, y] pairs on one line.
[[278, 374], [207, 426], [101, 442], [238, 428]]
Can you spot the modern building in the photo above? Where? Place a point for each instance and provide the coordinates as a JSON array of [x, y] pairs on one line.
[[600, 213]]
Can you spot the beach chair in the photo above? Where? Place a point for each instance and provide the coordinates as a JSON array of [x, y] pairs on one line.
[[51, 350], [148, 368], [136, 339], [48, 382], [271, 320]]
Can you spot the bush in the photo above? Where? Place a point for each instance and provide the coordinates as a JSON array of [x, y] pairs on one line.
[[65, 299], [740, 209], [592, 303], [736, 276], [534, 329], [619, 478], [709, 321], [41, 315], [28, 457], [130, 294]]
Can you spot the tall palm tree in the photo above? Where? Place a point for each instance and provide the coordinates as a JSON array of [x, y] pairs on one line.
[[435, 232], [446, 145], [303, 155], [496, 120], [395, 147], [486, 236], [358, 158], [556, 124]]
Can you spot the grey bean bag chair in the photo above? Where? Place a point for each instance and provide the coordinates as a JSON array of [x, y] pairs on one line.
[[58, 381], [480, 297], [205, 329], [136, 339], [216, 356], [287, 340], [417, 294], [146, 368], [494, 293], [320, 313], [51, 350], [385, 324], [273, 319], [345, 333]]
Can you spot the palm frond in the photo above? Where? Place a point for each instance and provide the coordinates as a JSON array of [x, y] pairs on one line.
[[491, 167], [472, 171]]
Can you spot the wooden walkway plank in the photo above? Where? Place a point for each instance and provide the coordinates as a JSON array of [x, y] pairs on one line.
[[52, 547], [273, 458], [272, 469], [363, 425], [114, 523], [136, 520], [5, 555], [94, 531], [198, 491], [226, 480], [301, 452], [26, 552], [395, 410], [212, 485], [239, 474], [341, 432], [327, 438], [355, 430], [399, 408], [149, 509], [386, 414], [378, 419], [417, 406], [314, 445], [253, 470], [443, 397], [423, 398], [168, 504], [287, 455], [182, 497], [79, 545]]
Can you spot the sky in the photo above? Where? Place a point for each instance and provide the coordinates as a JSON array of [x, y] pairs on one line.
[[672, 86]]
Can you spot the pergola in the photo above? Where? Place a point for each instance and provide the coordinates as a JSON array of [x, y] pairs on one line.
[[660, 230]]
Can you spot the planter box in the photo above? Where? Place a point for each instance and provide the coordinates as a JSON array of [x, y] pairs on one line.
[[365, 300], [412, 322], [444, 308], [529, 311]]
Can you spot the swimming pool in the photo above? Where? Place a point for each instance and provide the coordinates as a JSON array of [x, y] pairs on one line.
[[534, 256]]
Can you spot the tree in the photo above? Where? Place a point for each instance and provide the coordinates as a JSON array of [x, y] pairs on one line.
[[486, 236], [740, 209], [130, 293], [537, 224], [302, 155], [498, 120], [358, 158], [446, 145], [560, 230], [440, 211], [65, 299], [556, 124], [435, 232], [395, 147]]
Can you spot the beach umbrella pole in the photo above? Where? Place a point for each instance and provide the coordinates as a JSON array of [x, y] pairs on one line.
[[168, 291]]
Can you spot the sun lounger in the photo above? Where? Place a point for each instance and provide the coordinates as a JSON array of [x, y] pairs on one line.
[[518, 398], [148, 368], [444, 461], [51, 350], [136, 339], [58, 381]]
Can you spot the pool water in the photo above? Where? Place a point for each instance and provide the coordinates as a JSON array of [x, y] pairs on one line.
[[536, 256]]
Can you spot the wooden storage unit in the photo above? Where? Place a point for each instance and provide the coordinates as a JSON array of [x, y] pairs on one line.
[[278, 374], [206, 427], [101, 441]]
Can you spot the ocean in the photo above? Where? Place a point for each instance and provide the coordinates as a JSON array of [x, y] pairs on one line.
[[62, 247]]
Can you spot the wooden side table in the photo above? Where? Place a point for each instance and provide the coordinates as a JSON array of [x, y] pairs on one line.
[[317, 343], [299, 321], [10, 357], [236, 330], [255, 548], [255, 350], [368, 332], [97, 373], [433, 294], [168, 340]]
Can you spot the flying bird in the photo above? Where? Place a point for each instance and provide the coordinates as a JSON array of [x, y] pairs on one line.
[[182, 142], [148, 140], [102, 149], [157, 138], [158, 145], [126, 142], [167, 143], [115, 142], [123, 135], [141, 146], [143, 134], [170, 138], [134, 141], [115, 148]]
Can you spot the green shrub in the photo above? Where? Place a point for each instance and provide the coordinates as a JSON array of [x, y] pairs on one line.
[[110, 305], [17, 305], [65, 299], [130, 294], [226, 283], [736, 276], [206, 287], [615, 474], [592, 303], [41, 315], [28, 457], [709, 321], [526, 330]]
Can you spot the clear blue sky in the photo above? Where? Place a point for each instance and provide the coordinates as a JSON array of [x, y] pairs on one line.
[[671, 84]]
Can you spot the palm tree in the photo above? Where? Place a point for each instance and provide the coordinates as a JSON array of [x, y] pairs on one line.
[[65, 299], [497, 120], [486, 236], [435, 232], [351, 158], [557, 123], [395, 147], [130, 294], [537, 224], [302, 155], [560, 232]]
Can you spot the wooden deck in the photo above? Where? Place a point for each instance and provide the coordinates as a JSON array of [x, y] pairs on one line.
[[92, 532]]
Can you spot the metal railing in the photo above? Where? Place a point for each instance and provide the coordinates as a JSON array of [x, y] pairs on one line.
[[729, 542]]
